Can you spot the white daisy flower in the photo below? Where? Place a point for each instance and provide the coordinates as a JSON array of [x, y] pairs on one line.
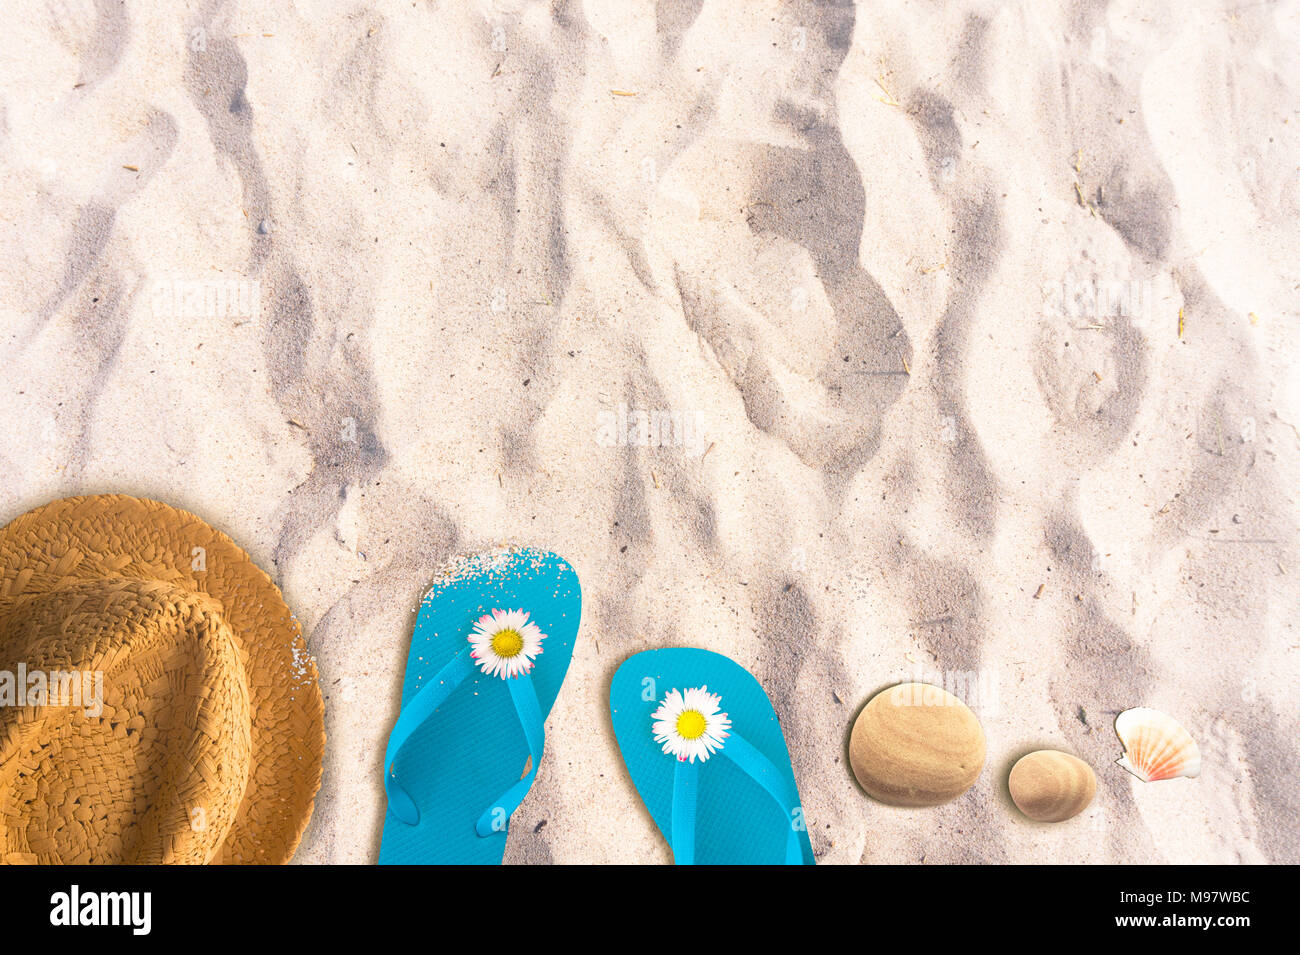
[[505, 643], [689, 725]]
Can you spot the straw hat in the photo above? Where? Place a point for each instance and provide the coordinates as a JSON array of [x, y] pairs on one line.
[[181, 719]]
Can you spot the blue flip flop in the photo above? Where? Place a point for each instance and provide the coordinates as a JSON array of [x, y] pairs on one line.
[[730, 798], [465, 748]]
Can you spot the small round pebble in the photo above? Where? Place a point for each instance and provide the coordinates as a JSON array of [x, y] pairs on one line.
[[1051, 786]]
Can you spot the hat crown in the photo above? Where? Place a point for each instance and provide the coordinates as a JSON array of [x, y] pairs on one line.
[[128, 737]]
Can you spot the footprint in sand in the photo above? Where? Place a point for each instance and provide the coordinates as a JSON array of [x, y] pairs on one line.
[[807, 336]]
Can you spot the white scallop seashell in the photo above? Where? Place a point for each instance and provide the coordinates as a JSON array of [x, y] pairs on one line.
[[1156, 746]]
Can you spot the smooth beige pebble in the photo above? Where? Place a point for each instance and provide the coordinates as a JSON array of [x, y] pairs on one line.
[[1051, 786], [916, 745]]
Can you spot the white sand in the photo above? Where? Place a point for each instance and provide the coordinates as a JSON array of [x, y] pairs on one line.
[[469, 252]]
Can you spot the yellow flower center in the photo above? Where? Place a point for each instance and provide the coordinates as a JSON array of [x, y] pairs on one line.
[[691, 725], [507, 643]]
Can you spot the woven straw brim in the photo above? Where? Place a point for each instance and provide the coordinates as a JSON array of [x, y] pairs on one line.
[[65, 542]]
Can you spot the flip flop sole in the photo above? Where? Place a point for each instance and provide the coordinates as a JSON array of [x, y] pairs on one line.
[[737, 821], [472, 748]]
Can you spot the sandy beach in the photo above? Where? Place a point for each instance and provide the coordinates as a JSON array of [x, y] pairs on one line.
[[863, 343]]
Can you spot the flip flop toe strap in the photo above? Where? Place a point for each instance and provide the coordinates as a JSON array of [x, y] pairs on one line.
[[755, 765], [497, 816], [686, 790], [425, 703], [422, 706]]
